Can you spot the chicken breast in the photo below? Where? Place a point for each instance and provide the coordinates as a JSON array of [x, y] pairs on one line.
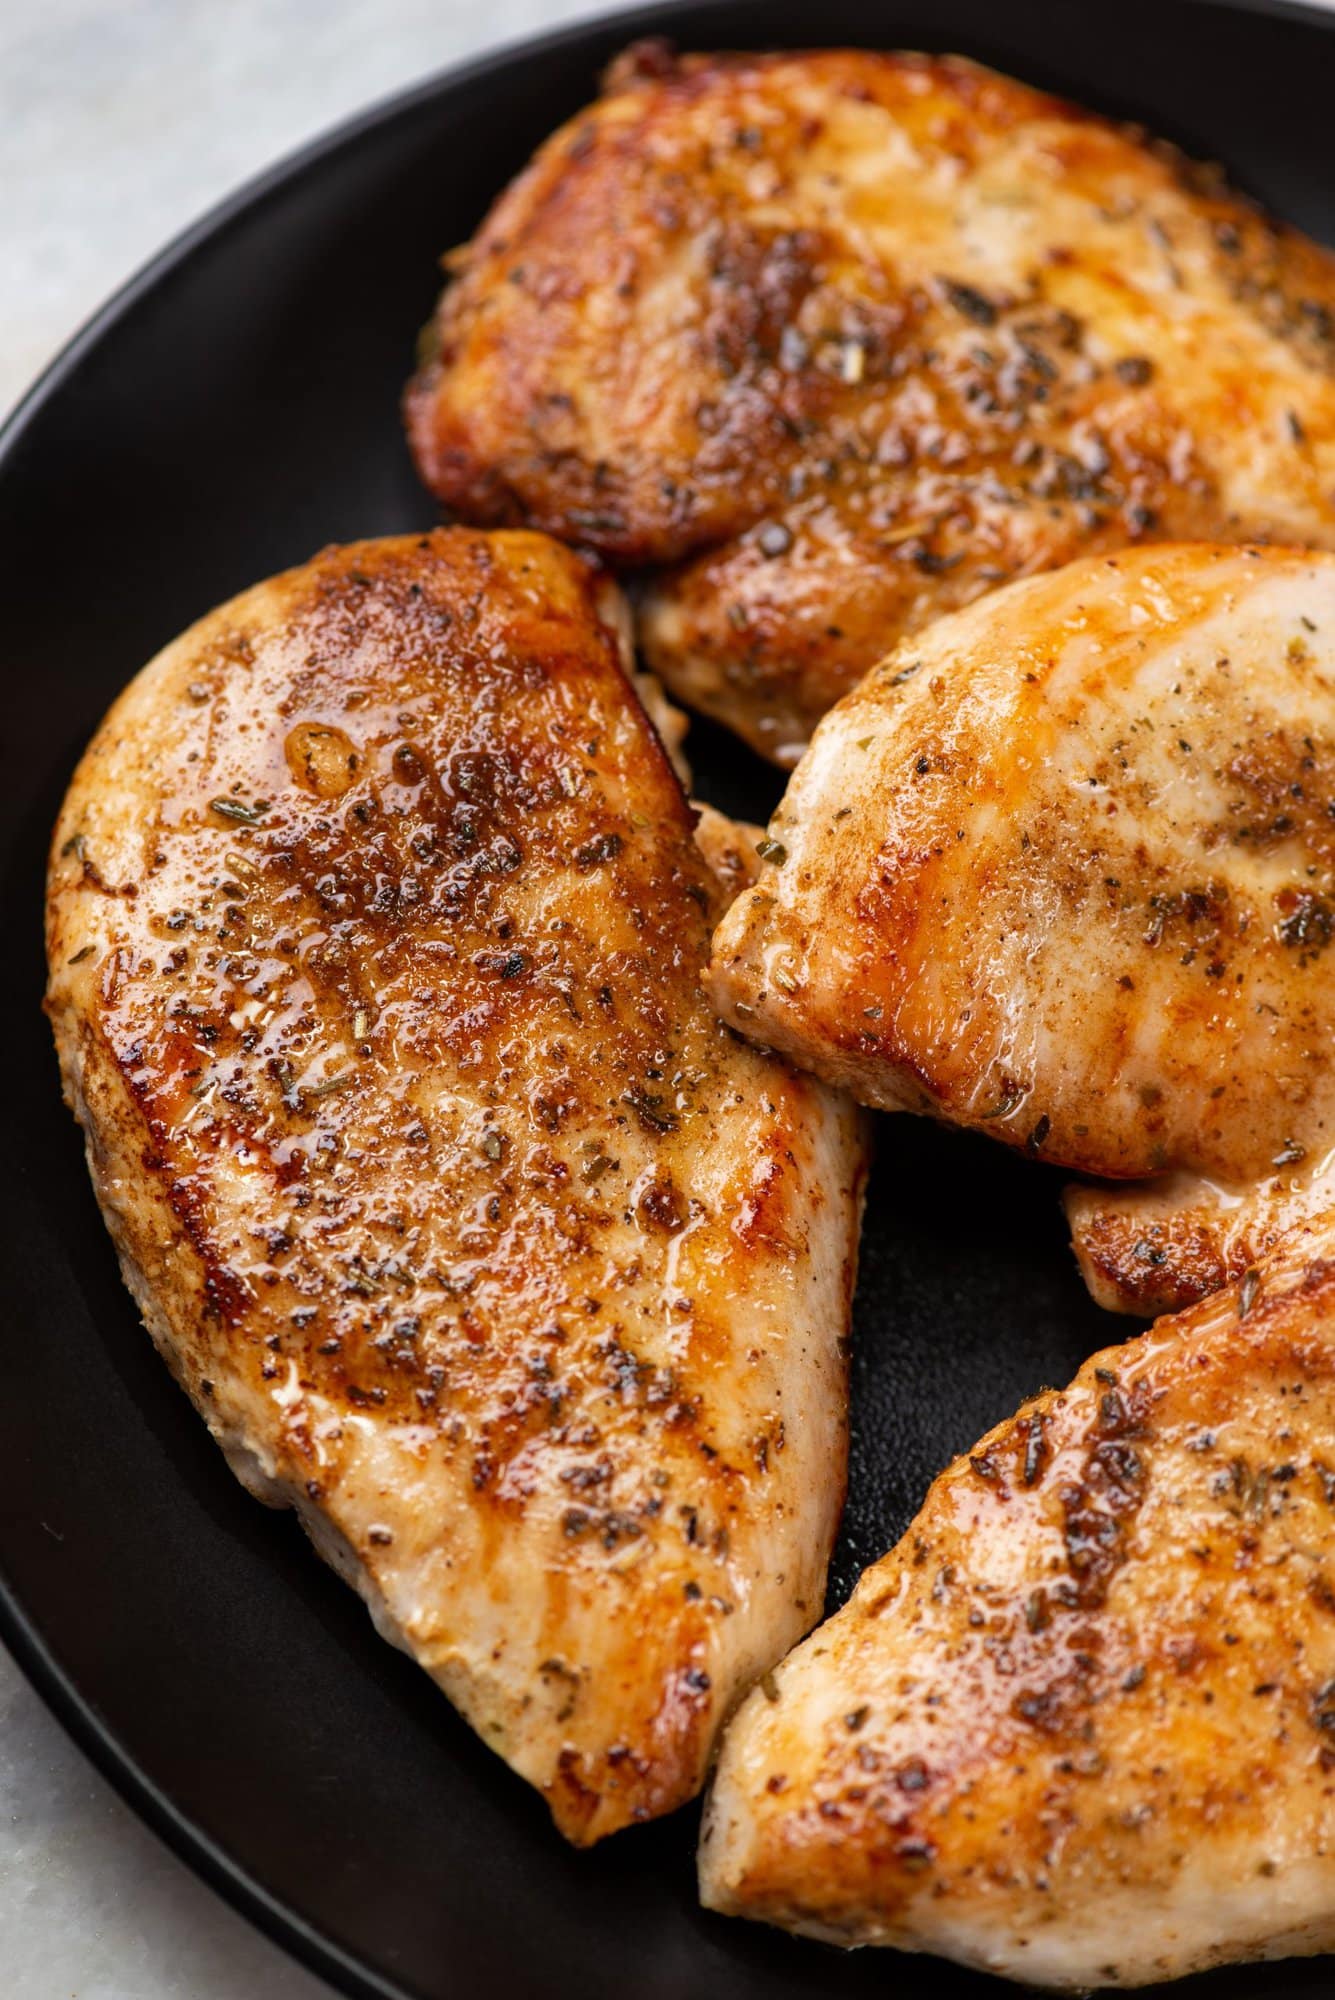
[[832, 343], [1158, 1245], [1063, 871], [1078, 1728], [375, 932]]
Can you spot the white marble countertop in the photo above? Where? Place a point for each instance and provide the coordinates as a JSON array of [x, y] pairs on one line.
[[120, 120]]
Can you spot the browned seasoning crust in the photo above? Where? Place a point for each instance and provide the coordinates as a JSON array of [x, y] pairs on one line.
[[1062, 870], [375, 931], [1157, 1246], [837, 341], [1079, 1726]]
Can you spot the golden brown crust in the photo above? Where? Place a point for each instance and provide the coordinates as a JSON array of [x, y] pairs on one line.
[[1159, 1245], [1153, 1263], [845, 339], [375, 931], [1062, 871], [1079, 1726]]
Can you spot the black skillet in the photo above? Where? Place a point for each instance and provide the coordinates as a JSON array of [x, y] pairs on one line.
[[231, 411]]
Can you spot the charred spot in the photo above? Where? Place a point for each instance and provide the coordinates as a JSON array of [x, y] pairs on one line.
[[1098, 1508], [1321, 1593], [651, 1109], [1306, 921], [1202, 909], [625, 1371], [407, 763], [503, 964], [616, 1527], [758, 280], [969, 302], [660, 1207], [934, 562], [1323, 1711], [603, 847], [916, 1854], [1032, 1430], [584, 1477], [636, 1381], [1061, 1703]]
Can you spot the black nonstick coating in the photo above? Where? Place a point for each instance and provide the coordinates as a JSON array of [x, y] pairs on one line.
[[234, 410]]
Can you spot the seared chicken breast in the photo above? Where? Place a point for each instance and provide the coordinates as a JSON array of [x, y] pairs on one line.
[[1155, 1246], [1062, 870], [832, 343], [1078, 1728], [376, 926]]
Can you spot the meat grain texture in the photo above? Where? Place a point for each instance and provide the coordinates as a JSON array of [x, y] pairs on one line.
[[376, 925]]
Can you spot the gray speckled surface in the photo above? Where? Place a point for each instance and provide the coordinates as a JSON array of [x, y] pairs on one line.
[[120, 120]]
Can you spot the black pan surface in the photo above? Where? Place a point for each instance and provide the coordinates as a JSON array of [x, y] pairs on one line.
[[232, 411]]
